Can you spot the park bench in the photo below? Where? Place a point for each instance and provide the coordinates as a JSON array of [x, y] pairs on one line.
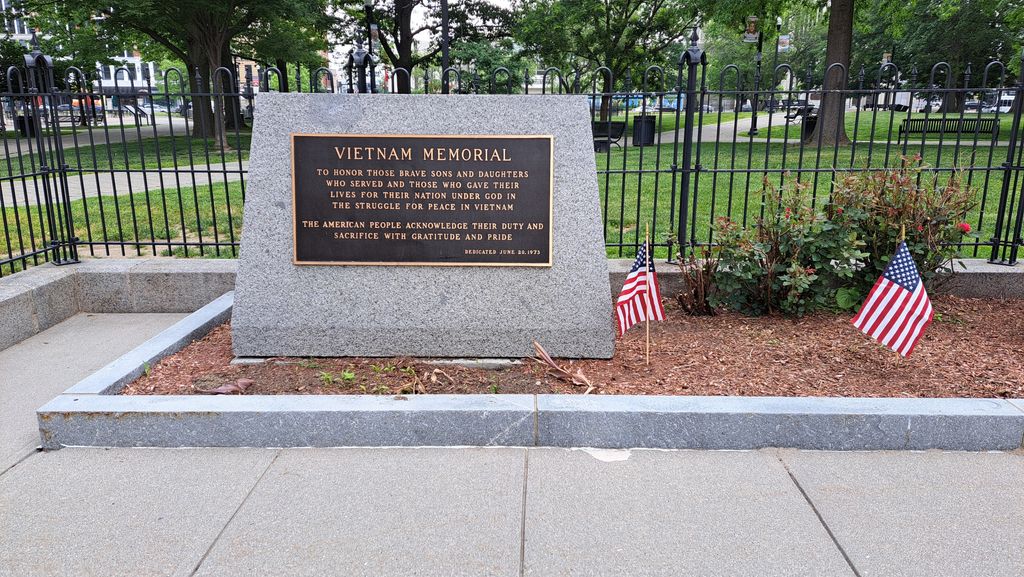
[[924, 126], [799, 111], [607, 133]]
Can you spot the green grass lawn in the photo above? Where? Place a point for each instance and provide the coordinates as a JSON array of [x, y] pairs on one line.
[[881, 125], [629, 200], [146, 222], [164, 151]]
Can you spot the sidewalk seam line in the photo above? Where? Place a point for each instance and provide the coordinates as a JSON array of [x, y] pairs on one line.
[[817, 513], [234, 514], [522, 522], [20, 461]]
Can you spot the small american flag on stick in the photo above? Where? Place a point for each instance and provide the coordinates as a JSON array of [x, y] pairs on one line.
[[640, 299], [897, 310]]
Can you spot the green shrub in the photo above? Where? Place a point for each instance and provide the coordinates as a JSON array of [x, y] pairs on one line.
[[881, 205], [792, 261]]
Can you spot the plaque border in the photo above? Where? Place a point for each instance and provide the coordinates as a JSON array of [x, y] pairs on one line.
[[551, 203]]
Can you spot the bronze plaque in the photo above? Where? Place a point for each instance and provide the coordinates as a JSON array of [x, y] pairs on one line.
[[468, 200]]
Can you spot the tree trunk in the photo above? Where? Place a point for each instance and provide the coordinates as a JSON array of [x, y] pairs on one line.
[[404, 45], [212, 46], [951, 102], [230, 86], [282, 66], [606, 98], [830, 128], [202, 111]]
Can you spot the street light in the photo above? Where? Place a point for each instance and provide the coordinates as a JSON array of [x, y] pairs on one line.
[[757, 75]]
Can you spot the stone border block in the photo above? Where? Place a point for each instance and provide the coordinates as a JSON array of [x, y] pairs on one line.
[[978, 278], [164, 286], [756, 422], [55, 298], [17, 314], [110, 379], [104, 286], [287, 421]]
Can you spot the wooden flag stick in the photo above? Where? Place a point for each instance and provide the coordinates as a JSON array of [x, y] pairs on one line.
[[647, 267], [903, 238]]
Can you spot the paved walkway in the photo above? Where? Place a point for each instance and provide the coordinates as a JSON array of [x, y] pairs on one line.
[[479, 512], [123, 182]]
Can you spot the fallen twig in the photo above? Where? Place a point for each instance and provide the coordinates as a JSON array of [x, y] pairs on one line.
[[577, 378], [236, 388]]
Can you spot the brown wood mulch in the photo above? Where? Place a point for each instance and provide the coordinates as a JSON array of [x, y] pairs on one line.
[[975, 348]]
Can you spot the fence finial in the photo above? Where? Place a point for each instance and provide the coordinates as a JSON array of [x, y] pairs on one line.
[[693, 36], [34, 42]]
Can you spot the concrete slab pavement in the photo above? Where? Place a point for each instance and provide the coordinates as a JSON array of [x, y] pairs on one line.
[[670, 513], [374, 512], [110, 513], [42, 366], [900, 514]]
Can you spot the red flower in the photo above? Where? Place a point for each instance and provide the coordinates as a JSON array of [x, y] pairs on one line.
[[839, 210], [920, 228], [964, 227]]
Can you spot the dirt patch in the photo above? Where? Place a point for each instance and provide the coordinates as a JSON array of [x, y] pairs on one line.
[[973, 349]]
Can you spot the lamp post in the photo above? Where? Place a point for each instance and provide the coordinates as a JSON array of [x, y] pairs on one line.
[[444, 46], [757, 83], [357, 59]]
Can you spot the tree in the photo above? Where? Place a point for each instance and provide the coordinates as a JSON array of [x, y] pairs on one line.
[[831, 128], [198, 32], [622, 35], [469, 21], [958, 32], [299, 41], [11, 54], [489, 56]]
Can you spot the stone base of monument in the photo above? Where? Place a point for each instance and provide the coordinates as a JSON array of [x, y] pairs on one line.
[[303, 292], [91, 413]]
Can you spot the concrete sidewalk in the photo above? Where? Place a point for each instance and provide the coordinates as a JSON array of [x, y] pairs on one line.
[[476, 512]]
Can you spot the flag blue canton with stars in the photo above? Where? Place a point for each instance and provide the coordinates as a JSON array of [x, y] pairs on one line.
[[902, 270], [641, 259]]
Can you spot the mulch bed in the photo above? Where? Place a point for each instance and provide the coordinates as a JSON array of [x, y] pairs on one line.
[[975, 348]]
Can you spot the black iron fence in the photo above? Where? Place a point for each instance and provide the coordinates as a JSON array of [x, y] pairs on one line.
[[157, 167]]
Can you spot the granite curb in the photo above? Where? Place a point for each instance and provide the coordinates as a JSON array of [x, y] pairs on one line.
[[92, 414]]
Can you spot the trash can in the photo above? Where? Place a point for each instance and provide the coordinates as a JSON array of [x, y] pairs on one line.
[[810, 121], [643, 130], [25, 126]]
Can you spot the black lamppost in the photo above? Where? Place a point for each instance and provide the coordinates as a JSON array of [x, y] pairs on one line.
[[445, 62], [757, 83], [357, 59]]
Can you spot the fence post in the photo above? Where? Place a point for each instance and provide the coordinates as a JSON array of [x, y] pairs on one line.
[[1008, 194], [56, 200], [691, 59]]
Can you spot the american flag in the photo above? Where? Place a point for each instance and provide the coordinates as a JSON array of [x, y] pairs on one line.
[[640, 299], [897, 310]]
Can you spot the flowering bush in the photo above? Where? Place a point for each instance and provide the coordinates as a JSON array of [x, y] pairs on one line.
[[879, 206], [793, 261]]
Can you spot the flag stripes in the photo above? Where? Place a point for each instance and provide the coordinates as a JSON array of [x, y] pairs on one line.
[[897, 310], [640, 299]]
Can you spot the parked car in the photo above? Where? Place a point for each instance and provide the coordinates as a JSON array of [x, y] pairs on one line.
[[1002, 106], [972, 106]]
